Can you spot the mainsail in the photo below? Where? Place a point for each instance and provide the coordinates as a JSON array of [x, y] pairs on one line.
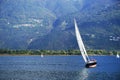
[[80, 43]]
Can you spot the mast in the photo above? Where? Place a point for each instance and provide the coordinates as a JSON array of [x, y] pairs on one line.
[[80, 43]]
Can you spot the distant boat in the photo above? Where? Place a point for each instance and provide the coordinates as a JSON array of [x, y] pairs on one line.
[[88, 62], [42, 55], [117, 56]]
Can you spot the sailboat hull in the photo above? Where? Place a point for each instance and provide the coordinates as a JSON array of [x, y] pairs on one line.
[[91, 64]]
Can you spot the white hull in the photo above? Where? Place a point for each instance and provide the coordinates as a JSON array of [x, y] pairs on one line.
[[92, 66]]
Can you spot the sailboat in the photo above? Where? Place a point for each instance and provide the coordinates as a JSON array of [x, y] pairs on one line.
[[117, 56], [88, 62], [41, 55]]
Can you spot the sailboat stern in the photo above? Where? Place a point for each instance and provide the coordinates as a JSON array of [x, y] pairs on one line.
[[91, 64]]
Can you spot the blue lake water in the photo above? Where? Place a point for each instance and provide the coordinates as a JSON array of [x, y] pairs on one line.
[[58, 68]]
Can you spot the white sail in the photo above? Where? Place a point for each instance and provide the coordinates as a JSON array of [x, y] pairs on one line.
[[117, 56], [42, 55], [80, 43]]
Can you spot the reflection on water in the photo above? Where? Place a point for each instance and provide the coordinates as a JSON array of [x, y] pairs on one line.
[[57, 68], [84, 74]]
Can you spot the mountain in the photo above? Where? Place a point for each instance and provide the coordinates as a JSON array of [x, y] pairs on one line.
[[23, 21], [45, 24]]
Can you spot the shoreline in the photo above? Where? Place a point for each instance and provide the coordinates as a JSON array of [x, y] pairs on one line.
[[55, 52], [49, 55]]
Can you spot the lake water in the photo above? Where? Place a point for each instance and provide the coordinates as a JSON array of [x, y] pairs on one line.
[[58, 68]]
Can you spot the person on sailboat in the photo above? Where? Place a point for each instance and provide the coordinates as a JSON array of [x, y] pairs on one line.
[[87, 59]]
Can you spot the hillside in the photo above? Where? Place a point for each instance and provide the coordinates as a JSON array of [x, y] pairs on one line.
[[99, 27], [45, 24]]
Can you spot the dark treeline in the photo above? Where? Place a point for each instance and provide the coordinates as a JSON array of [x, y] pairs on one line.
[[55, 52]]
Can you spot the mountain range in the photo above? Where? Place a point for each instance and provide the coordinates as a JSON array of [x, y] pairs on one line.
[[45, 24]]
